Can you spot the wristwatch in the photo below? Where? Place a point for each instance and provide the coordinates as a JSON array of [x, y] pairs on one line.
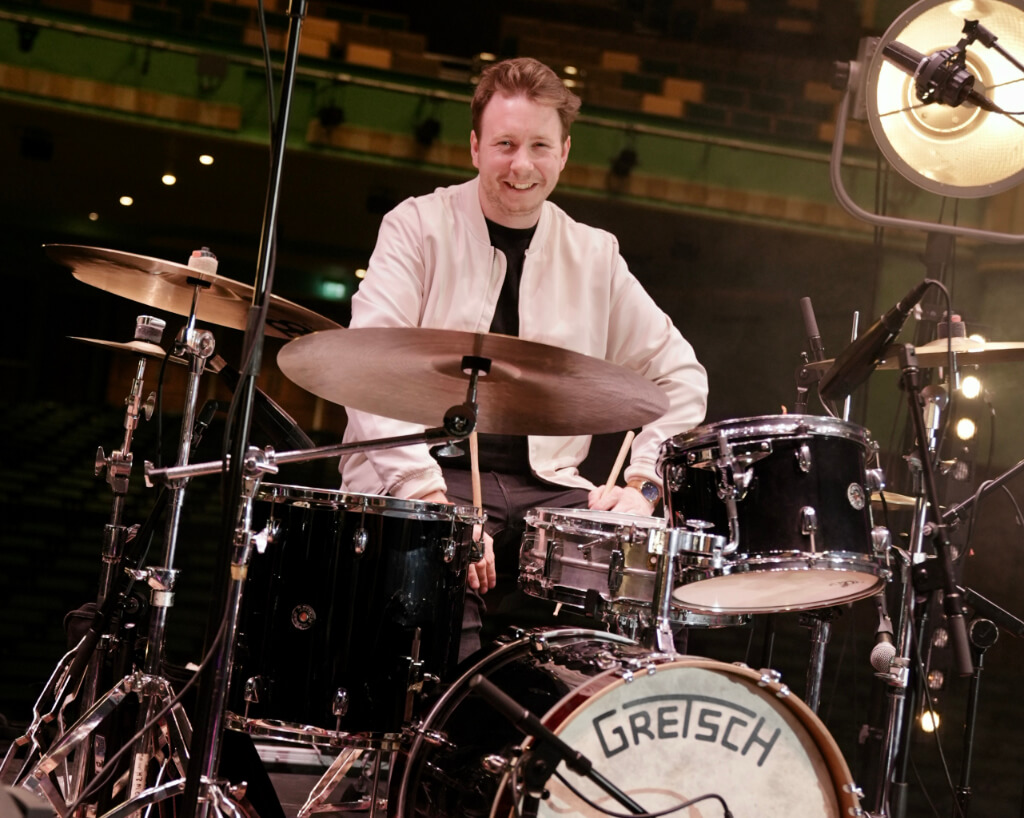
[[651, 492]]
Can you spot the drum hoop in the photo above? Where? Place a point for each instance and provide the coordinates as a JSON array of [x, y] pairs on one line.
[[552, 518], [790, 426], [459, 685], [366, 503], [842, 780]]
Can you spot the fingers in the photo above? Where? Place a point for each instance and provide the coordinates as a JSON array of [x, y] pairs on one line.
[[603, 498], [482, 576]]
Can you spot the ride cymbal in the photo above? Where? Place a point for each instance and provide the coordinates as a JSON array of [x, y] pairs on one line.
[[169, 286], [415, 375], [936, 353]]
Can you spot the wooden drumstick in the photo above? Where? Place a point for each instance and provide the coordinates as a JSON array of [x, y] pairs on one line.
[[474, 470], [617, 467]]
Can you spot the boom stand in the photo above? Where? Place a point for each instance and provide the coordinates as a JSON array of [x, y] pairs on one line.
[[897, 726]]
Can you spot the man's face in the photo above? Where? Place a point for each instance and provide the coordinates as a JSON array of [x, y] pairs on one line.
[[519, 153]]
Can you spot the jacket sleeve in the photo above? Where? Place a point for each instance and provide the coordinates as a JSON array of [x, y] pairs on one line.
[[643, 338], [391, 295]]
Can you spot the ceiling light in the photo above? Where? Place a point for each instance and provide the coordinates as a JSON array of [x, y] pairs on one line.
[[127, 201], [169, 179], [205, 159]]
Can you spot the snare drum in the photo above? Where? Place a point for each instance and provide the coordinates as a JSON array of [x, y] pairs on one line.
[[662, 729], [354, 604], [600, 563], [805, 535]]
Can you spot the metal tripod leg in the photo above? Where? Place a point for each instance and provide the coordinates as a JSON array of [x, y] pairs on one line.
[[329, 781]]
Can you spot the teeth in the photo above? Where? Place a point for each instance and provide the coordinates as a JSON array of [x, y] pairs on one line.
[[526, 186]]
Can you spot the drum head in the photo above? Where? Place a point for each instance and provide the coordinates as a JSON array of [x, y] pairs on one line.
[[695, 727]]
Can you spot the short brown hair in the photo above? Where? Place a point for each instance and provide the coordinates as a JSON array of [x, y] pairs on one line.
[[524, 76]]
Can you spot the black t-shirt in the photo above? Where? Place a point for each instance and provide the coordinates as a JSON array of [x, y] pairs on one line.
[[503, 453]]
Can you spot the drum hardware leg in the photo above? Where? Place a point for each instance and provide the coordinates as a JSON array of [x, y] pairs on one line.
[[546, 751], [316, 802], [820, 622], [983, 634], [665, 544], [768, 641]]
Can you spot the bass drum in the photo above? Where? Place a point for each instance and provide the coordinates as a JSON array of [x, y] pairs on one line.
[[664, 729]]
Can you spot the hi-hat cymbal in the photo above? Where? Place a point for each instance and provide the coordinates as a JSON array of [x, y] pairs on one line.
[[167, 286], [936, 353], [137, 347], [415, 375]]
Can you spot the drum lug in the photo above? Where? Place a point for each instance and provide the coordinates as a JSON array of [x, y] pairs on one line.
[[448, 549], [360, 539], [340, 703], [674, 476], [773, 679], [495, 764], [616, 562], [874, 479], [881, 541], [253, 692], [803, 458], [809, 524]]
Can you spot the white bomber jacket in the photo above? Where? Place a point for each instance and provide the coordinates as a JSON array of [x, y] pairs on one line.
[[434, 267]]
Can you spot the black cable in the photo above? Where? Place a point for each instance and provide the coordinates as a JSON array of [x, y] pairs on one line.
[[684, 805]]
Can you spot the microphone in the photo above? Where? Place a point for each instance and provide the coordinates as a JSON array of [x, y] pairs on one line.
[[860, 358], [811, 327], [884, 650], [938, 78]]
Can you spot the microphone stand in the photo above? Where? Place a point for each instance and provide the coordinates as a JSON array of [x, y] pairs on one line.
[[213, 683], [539, 762], [891, 797]]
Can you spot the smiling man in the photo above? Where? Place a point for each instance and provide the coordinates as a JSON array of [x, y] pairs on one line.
[[494, 255]]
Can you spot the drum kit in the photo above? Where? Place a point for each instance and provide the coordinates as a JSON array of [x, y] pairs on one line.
[[342, 629]]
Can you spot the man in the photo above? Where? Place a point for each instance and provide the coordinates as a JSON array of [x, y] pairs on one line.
[[494, 255]]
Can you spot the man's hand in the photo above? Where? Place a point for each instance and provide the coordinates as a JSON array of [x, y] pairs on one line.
[[623, 500], [482, 576]]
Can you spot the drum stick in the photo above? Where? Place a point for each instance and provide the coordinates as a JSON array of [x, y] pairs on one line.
[[474, 470], [617, 467]]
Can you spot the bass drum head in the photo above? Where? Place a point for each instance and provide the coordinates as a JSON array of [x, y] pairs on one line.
[[663, 729], [694, 728]]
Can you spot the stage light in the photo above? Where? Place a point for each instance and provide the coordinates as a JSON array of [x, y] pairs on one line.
[[954, 149], [970, 387], [169, 179], [360, 273], [127, 201], [966, 429], [205, 159], [930, 721]]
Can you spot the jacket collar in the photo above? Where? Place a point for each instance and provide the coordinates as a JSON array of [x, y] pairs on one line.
[[469, 205]]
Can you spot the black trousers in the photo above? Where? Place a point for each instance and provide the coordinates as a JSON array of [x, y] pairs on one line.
[[507, 499]]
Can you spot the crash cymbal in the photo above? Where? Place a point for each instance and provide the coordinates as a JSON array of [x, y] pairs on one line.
[[936, 353], [415, 375], [166, 286], [137, 347]]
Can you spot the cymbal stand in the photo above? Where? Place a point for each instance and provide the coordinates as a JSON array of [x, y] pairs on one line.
[[168, 739], [195, 346], [76, 677], [891, 796]]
